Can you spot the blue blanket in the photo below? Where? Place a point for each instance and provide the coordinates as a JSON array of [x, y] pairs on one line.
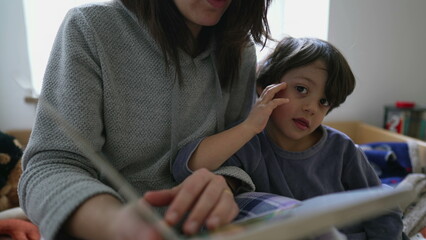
[[391, 160]]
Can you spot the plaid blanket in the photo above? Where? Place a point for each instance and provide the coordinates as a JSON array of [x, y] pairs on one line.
[[254, 204]]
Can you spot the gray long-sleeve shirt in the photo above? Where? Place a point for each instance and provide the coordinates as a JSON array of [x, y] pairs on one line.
[[107, 77]]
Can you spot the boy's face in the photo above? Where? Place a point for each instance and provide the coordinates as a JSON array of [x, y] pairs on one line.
[[296, 121]]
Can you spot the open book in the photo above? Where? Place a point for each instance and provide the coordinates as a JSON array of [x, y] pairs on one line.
[[317, 215], [307, 219]]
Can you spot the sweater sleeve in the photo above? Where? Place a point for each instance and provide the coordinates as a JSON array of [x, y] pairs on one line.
[[388, 226], [57, 177]]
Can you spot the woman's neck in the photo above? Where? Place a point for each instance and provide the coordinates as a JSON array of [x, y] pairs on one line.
[[199, 44], [195, 29]]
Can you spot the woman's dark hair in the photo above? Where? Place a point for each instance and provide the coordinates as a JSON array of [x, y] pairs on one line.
[[243, 21], [291, 53]]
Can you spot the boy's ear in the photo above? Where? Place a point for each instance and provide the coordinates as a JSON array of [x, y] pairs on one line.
[[259, 90]]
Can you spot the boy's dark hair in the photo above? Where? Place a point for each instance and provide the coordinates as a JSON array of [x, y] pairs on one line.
[[291, 53], [244, 20]]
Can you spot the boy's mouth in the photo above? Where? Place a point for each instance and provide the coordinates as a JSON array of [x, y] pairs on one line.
[[301, 123]]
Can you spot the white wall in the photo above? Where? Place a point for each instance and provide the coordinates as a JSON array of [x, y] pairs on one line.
[[14, 112], [385, 43], [383, 40]]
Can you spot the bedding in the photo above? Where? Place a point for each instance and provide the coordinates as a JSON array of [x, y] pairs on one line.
[[392, 161]]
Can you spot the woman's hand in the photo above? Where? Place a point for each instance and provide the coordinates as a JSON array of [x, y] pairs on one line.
[[104, 217], [128, 225], [204, 195]]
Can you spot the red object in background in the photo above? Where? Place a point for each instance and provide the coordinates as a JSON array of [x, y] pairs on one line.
[[395, 123], [402, 104]]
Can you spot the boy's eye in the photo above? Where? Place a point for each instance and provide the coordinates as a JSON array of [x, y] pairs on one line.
[[302, 89], [325, 102]]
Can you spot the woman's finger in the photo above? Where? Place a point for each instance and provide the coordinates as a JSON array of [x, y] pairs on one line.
[[161, 197], [208, 200], [187, 196], [224, 211]]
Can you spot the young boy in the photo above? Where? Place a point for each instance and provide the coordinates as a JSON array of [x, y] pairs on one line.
[[283, 145]]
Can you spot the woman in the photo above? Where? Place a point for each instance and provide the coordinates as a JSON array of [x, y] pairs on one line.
[[139, 79]]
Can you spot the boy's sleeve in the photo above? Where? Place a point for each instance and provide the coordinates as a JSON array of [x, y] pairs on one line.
[[385, 227], [180, 169], [242, 165], [358, 172]]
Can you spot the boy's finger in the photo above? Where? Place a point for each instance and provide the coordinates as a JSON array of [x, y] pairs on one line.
[[269, 93], [279, 101]]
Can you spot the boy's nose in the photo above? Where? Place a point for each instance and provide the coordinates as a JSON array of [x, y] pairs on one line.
[[309, 108]]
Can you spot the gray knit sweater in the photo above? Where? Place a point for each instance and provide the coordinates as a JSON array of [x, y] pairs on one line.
[[107, 77]]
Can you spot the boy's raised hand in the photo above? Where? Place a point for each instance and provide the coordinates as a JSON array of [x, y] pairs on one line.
[[265, 104]]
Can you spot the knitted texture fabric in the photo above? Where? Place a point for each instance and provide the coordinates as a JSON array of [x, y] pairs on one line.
[[107, 77]]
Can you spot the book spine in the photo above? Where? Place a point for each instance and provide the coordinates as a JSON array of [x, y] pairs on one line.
[[406, 123], [422, 129]]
